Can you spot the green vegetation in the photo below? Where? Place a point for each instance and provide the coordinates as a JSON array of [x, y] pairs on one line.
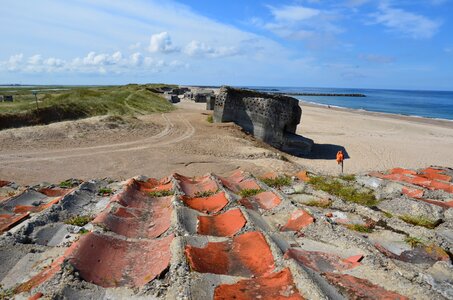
[[419, 221], [210, 119], [387, 214], [65, 184], [83, 231], [346, 192], [413, 241], [277, 182], [205, 194], [79, 220], [359, 228], [105, 191], [68, 103], [250, 192], [6, 294], [163, 193], [318, 203], [348, 177]]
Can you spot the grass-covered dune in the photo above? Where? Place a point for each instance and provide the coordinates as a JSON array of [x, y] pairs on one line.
[[70, 103]]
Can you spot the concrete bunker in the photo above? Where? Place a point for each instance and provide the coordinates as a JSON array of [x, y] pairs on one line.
[[270, 118]]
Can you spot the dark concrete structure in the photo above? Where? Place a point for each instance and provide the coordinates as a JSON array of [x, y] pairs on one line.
[[271, 118], [8, 98], [200, 96], [172, 98], [210, 103]]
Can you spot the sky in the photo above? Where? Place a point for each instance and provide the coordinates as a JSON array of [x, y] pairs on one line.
[[385, 44]]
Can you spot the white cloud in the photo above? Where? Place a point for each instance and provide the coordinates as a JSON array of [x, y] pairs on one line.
[[35, 59], [298, 22], [161, 42], [200, 49], [407, 23], [136, 59]]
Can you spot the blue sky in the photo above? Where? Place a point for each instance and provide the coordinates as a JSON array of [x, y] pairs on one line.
[[346, 43]]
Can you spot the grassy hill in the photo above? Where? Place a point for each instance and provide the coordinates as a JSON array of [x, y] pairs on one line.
[[70, 103]]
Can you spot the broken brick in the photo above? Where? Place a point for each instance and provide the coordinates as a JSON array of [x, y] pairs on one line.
[[226, 224], [244, 255], [264, 200], [298, 220], [303, 176], [357, 288], [195, 186], [322, 261], [413, 193], [211, 204], [278, 286]]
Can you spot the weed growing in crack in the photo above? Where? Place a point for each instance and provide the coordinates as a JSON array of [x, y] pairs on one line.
[[419, 221], [413, 241], [345, 192], [319, 203], [359, 228], [79, 220], [163, 193], [277, 182], [250, 192]]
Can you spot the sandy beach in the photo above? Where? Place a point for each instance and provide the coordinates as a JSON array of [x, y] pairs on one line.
[[183, 141]]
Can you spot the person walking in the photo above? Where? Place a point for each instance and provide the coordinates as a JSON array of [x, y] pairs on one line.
[[340, 159]]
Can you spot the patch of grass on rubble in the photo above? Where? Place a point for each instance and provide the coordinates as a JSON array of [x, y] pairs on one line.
[[387, 214], [204, 194], [318, 203], [345, 192], [413, 241], [163, 193], [348, 177], [359, 228], [250, 192], [6, 294], [105, 191], [419, 221], [79, 220], [210, 119], [278, 181], [65, 184]]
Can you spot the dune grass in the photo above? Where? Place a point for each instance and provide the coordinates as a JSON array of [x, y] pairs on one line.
[[344, 191], [78, 102]]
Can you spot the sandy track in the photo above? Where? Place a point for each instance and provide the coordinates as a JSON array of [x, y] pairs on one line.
[[177, 129]]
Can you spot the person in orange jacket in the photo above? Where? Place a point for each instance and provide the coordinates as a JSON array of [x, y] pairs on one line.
[[340, 159]]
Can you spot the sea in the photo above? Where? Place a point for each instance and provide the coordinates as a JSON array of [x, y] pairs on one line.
[[428, 104]]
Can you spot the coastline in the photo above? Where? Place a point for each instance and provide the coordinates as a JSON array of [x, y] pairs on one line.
[[417, 119]]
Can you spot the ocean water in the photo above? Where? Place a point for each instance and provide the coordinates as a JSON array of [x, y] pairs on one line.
[[430, 104]]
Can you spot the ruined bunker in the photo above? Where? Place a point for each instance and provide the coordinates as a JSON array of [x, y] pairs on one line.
[[270, 118]]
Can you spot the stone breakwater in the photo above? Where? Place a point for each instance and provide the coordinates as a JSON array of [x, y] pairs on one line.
[[372, 236]]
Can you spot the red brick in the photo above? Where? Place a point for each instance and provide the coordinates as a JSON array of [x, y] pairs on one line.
[[298, 220], [3, 183], [277, 286], [357, 288], [211, 204], [432, 173], [112, 262], [194, 186], [54, 192], [264, 200], [413, 193], [244, 255], [321, 261], [9, 221], [226, 224], [402, 171], [303, 176]]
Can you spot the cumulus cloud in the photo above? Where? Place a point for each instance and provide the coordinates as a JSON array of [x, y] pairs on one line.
[[407, 23], [161, 42]]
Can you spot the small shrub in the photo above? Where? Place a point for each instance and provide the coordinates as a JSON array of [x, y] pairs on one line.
[[348, 177], [79, 220], [346, 192], [163, 193], [66, 184], [419, 221], [210, 119], [250, 192], [277, 182], [319, 203], [413, 241], [204, 194], [359, 228], [105, 191]]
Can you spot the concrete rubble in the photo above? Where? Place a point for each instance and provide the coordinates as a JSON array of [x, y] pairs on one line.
[[229, 237]]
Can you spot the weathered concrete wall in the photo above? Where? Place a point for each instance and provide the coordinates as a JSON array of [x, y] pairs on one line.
[[271, 118]]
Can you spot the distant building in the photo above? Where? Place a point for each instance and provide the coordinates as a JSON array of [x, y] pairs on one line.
[[171, 97], [202, 96]]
